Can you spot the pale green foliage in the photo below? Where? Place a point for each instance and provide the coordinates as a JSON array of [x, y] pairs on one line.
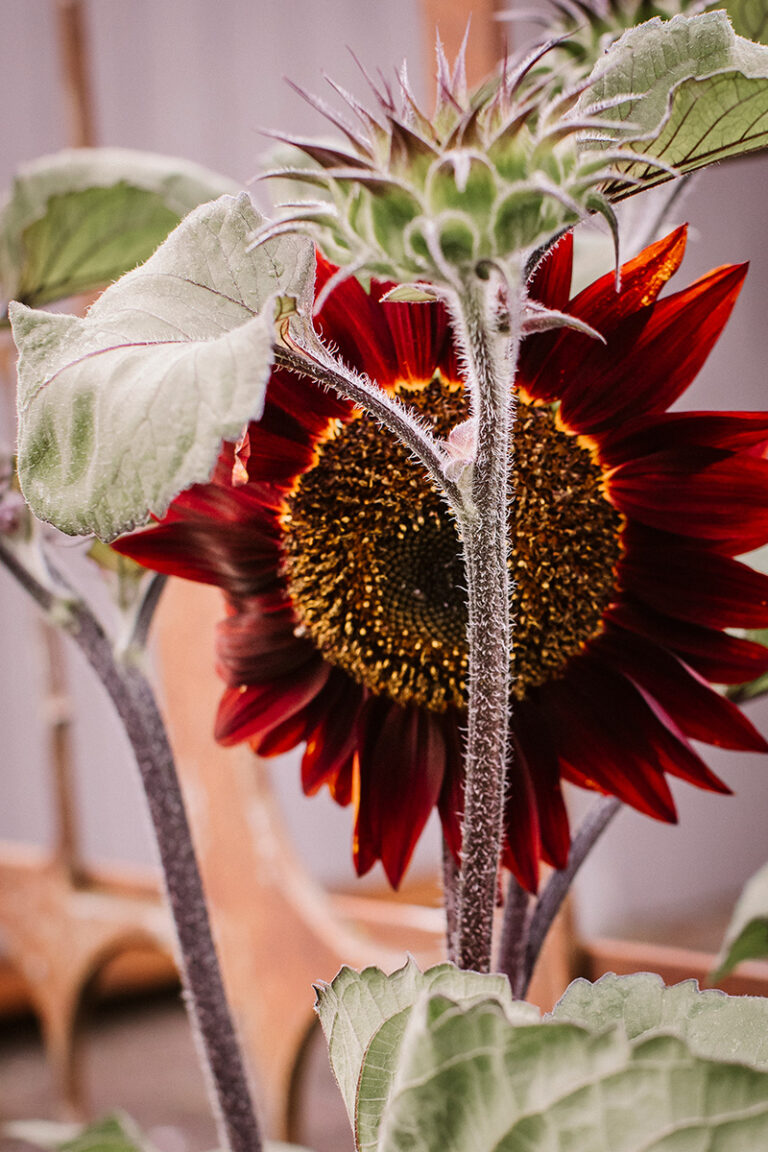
[[625, 1065], [122, 410], [695, 93], [746, 937], [77, 220], [115, 1133]]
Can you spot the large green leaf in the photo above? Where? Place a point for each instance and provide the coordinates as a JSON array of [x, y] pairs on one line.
[[364, 1014], [746, 937], [79, 219], [122, 410], [625, 1065], [695, 92]]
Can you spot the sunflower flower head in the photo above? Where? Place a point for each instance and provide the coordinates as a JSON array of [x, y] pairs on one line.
[[492, 175], [342, 570]]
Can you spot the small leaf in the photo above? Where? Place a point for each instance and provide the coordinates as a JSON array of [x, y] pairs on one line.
[[357, 1005], [746, 937], [409, 294], [695, 93], [115, 1133], [79, 219], [122, 410]]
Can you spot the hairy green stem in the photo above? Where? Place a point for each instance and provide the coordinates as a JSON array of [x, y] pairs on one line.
[[486, 327], [135, 703]]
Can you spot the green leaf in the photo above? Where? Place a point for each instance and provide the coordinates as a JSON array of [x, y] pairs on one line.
[[122, 410], [713, 1026], [695, 93], [115, 1133], [625, 1065], [746, 937], [358, 1008], [749, 18], [79, 219]]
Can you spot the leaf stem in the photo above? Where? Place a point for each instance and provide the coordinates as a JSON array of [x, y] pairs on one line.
[[514, 936], [487, 332], [135, 703], [556, 889], [318, 365]]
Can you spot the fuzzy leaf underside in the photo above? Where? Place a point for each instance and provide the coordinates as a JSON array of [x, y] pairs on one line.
[[77, 220], [122, 410], [747, 935], [695, 93], [357, 1006], [445, 1062]]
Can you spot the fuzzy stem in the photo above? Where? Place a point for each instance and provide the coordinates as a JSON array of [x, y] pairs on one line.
[[318, 365], [548, 905], [135, 703], [514, 936], [489, 341]]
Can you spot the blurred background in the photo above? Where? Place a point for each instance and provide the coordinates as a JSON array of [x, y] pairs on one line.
[[199, 80]]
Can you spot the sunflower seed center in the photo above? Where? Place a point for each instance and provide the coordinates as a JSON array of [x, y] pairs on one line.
[[374, 567]]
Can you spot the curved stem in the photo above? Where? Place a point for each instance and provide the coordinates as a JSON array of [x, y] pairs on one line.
[[135, 703], [548, 905], [489, 341], [319, 366], [514, 936]]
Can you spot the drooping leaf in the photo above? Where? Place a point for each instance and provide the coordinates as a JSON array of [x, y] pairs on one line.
[[749, 18], [79, 219], [358, 1008], [746, 937], [122, 410], [695, 93]]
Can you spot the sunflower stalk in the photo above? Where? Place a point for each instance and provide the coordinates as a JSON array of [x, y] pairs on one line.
[[487, 320], [136, 705]]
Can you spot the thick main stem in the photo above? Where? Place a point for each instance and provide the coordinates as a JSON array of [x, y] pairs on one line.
[[135, 703], [488, 338]]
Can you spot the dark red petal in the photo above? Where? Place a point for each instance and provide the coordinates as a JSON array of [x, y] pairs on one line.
[[401, 756], [732, 431], [421, 338], [355, 323], [535, 743], [254, 645], [696, 585], [303, 403], [598, 747], [718, 656], [688, 700], [451, 800], [521, 849], [251, 712], [331, 733], [547, 360], [694, 492], [646, 368], [275, 458], [550, 283]]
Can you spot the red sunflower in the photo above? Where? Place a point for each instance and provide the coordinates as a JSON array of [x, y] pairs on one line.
[[341, 567]]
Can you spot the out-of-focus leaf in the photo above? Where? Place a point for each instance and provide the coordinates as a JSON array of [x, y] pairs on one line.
[[79, 219], [122, 410], [746, 937]]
